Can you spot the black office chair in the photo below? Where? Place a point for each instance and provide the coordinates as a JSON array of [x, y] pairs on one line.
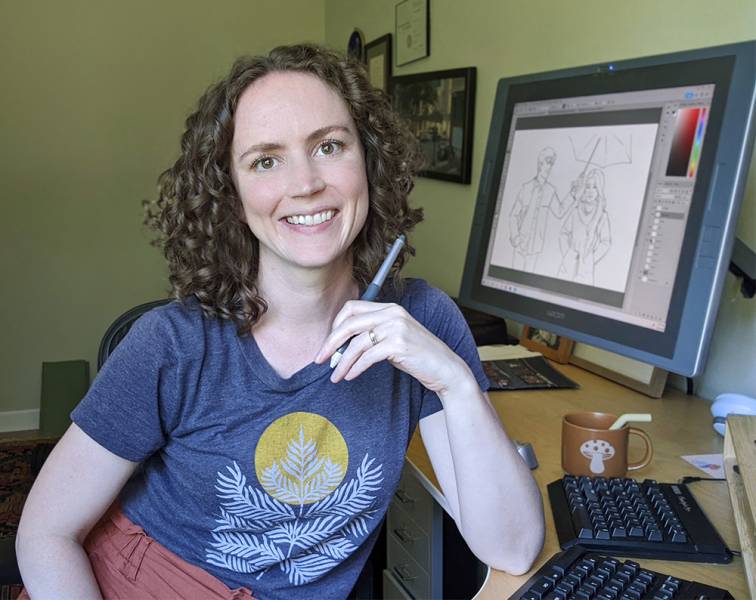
[[120, 327]]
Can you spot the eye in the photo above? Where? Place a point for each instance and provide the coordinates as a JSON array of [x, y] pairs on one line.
[[329, 147], [264, 163]]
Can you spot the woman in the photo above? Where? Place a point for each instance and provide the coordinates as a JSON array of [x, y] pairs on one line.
[[241, 462], [585, 236]]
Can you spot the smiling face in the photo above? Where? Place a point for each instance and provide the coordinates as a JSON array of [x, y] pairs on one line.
[[299, 168]]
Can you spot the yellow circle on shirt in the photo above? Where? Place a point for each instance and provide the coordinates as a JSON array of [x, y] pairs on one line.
[[301, 458]]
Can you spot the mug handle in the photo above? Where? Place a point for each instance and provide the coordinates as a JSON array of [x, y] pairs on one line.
[[647, 456]]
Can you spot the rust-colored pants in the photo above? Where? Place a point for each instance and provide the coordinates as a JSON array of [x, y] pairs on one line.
[[130, 565]]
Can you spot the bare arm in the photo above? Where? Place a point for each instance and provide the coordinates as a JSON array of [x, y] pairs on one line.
[[494, 498], [77, 484], [497, 502]]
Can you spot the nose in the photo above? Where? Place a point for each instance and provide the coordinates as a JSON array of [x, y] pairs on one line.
[[306, 179]]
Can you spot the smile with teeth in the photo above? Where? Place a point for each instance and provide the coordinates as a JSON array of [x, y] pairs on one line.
[[315, 219]]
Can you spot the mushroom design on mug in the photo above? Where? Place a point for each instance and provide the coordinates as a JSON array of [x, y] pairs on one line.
[[598, 451]]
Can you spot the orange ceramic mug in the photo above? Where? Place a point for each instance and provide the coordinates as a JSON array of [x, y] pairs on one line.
[[590, 448]]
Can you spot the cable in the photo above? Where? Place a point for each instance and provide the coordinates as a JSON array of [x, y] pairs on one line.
[[690, 479]]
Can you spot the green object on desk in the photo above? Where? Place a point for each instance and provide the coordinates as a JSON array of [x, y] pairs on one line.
[[64, 383]]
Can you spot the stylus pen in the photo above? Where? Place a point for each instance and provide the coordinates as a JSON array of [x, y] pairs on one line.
[[371, 293]]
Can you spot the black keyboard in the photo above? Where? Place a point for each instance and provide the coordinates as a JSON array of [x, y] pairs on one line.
[[626, 517], [582, 575]]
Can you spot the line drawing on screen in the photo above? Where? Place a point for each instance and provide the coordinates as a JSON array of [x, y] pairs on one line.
[[577, 217]]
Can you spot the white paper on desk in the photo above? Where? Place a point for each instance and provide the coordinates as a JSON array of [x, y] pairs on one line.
[[711, 464], [505, 352]]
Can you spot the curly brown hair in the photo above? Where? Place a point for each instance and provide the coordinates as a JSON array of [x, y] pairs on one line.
[[212, 254]]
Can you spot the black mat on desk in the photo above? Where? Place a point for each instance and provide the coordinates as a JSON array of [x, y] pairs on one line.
[[532, 373]]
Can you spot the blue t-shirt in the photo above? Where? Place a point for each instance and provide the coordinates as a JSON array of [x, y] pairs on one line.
[[278, 485]]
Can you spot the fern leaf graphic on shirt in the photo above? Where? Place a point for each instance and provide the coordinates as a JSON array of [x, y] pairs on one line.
[[307, 519], [303, 476]]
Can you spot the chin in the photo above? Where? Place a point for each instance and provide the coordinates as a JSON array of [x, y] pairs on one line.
[[317, 261]]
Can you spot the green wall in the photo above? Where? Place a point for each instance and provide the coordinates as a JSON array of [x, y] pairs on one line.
[[93, 99], [509, 37], [92, 103]]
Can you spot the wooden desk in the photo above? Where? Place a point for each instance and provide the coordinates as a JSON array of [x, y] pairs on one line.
[[681, 425]]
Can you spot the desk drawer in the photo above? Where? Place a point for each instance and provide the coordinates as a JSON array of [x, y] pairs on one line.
[[406, 571], [409, 535], [414, 500], [392, 589]]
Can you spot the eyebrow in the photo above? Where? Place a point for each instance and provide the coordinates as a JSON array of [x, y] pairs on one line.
[[272, 146]]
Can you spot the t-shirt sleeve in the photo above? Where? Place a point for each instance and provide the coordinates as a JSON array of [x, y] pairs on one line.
[[132, 403], [447, 323]]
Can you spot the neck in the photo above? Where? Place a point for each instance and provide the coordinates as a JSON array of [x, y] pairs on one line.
[[304, 300]]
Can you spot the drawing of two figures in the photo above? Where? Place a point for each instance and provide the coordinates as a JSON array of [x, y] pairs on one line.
[[585, 235]]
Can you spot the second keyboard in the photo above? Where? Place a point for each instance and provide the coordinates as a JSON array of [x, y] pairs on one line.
[[630, 518]]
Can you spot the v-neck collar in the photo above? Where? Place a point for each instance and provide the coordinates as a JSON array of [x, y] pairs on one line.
[[307, 374], [268, 375]]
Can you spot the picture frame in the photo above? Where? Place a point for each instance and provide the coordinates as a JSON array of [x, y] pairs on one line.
[[412, 30], [378, 62], [639, 376], [552, 346], [438, 107]]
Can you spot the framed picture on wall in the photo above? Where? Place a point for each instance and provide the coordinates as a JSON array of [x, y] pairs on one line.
[[551, 345], [378, 62], [439, 108]]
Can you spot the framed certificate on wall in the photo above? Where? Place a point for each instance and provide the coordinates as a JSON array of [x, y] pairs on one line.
[[412, 31], [378, 62]]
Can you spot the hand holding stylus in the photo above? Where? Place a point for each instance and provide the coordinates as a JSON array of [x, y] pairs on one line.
[[384, 331], [371, 293]]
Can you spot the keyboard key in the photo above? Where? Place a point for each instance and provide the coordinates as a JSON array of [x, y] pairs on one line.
[[582, 523], [623, 576], [619, 532], [541, 586], [679, 537], [646, 577], [672, 582], [564, 588], [615, 585]]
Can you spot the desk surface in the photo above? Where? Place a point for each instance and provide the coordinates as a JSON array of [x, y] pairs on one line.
[[681, 426]]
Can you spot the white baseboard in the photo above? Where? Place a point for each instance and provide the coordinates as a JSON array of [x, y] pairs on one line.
[[19, 420]]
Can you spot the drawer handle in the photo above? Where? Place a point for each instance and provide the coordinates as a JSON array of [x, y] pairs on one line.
[[404, 497], [404, 573], [404, 535]]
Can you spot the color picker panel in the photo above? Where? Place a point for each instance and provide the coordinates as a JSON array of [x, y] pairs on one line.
[[683, 140], [697, 143]]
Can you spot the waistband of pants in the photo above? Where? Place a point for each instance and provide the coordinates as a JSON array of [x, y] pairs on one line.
[[127, 562]]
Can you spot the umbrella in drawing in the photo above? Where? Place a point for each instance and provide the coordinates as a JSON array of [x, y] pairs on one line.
[[603, 150]]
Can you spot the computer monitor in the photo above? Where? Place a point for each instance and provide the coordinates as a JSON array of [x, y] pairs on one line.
[[608, 201]]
